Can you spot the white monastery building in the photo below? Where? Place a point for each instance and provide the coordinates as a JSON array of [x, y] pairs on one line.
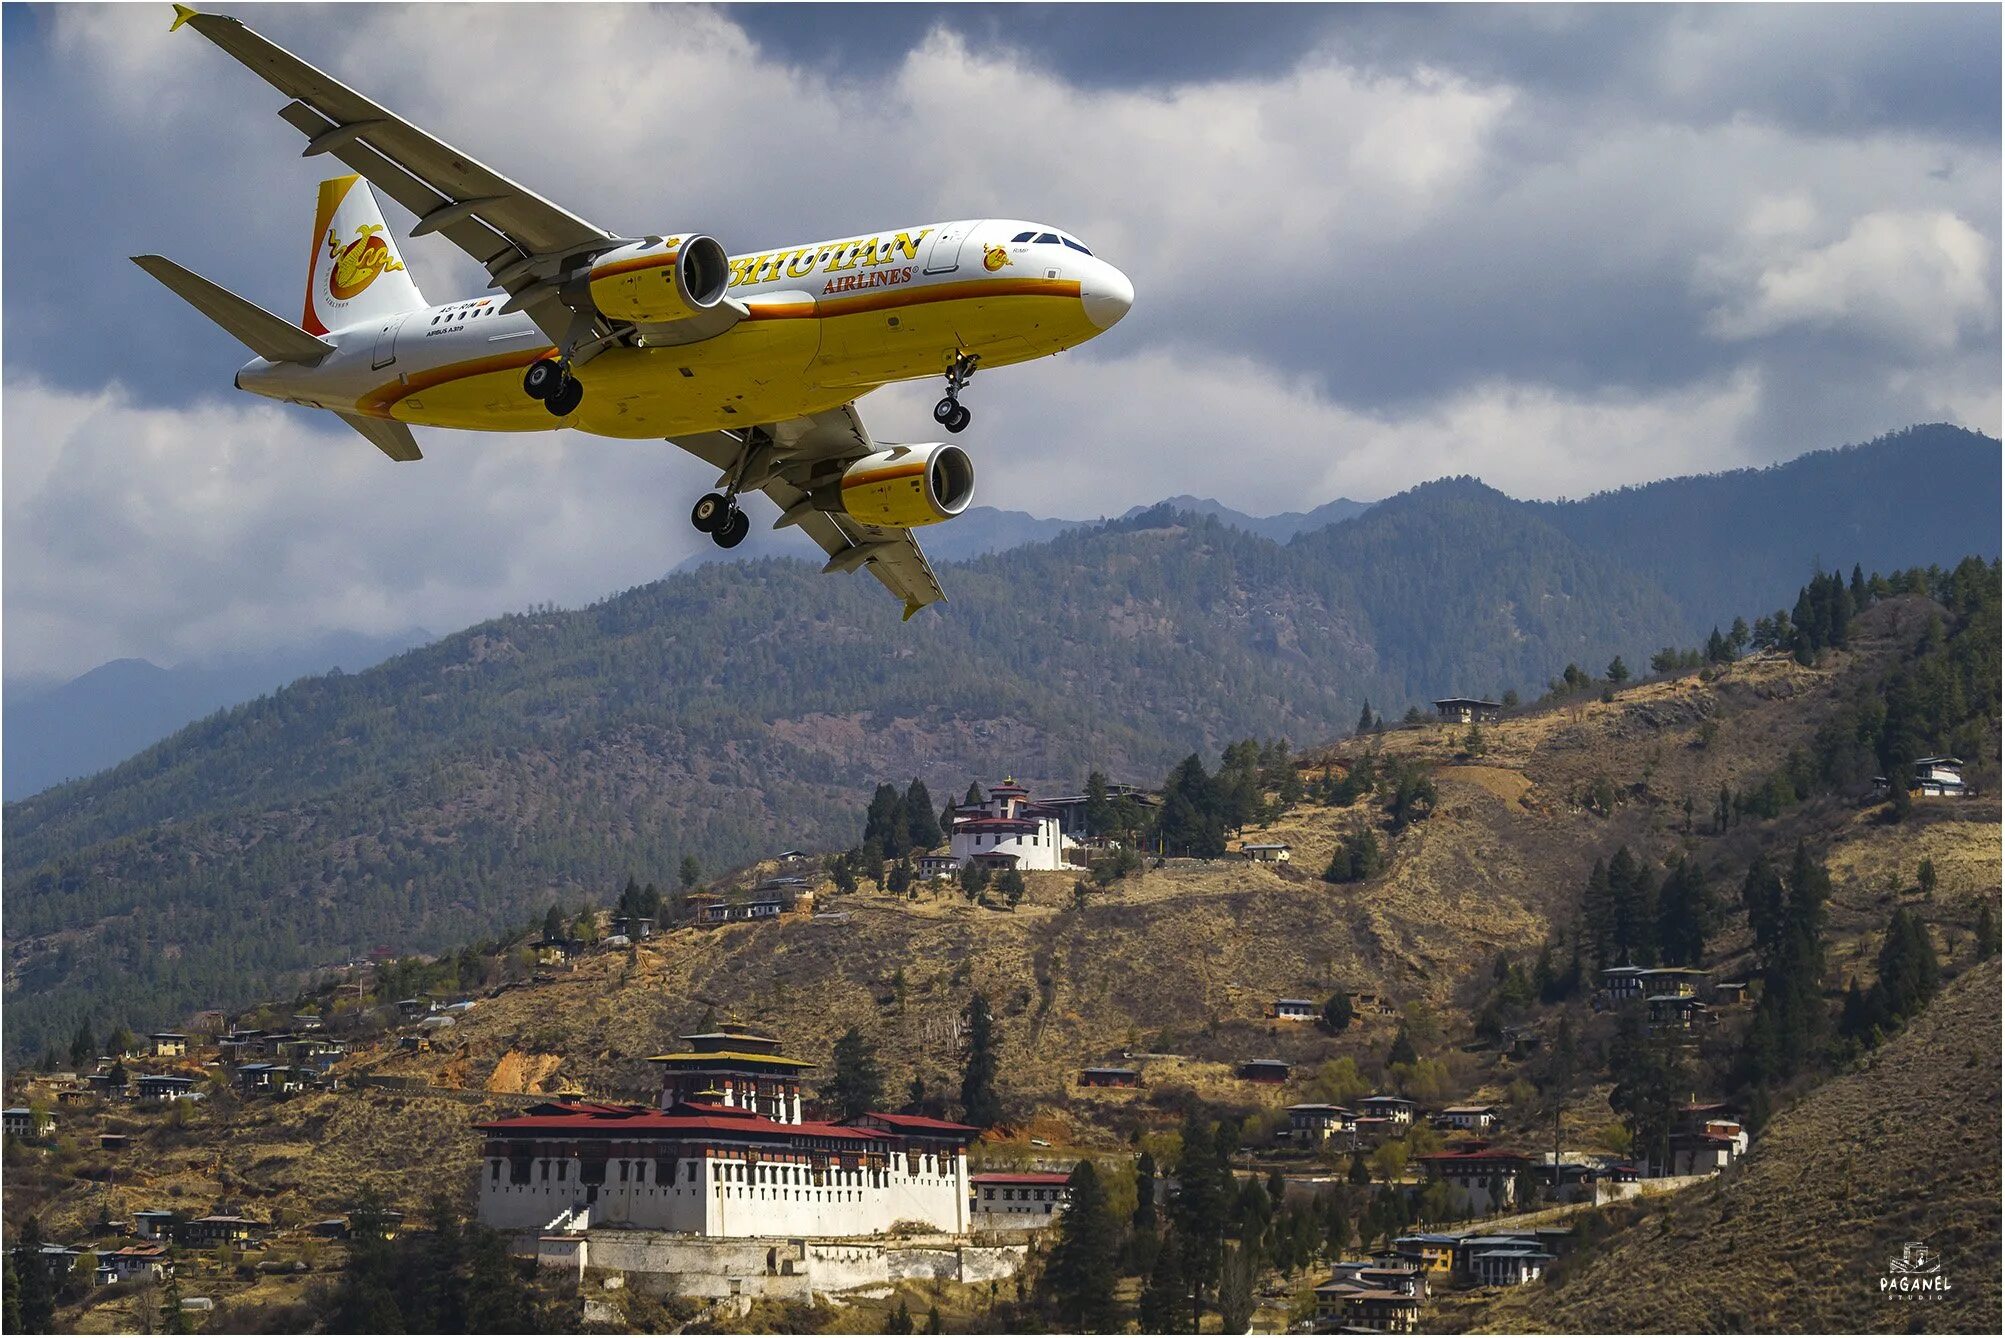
[[726, 1153], [1009, 829]]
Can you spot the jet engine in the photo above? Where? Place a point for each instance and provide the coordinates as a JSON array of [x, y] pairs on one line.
[[903, 487], [656, 282]]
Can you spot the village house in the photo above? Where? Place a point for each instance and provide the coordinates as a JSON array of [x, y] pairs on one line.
[[1110, 1077], [1264, 1070], [168, 1044], [238, 1046], [1681, 1012], [217, 1229], [633, 927], [307, 1022], [1265, 852], [1071, 810], [1934, 777], [1476, 1119], [1622, 983], [935, 866], [1025, 1200], [1396, 1110], [1504, 1261], [1316, 1122], [1681, 980], [23, 1122], [1296, 1010], [1433, 1255], [106, 1082], [1468, 710], [1349, 1308], [717, 910], [153, 1224], [1729, 992], [110, 1142], [1487, 1176], [1390, 1274], [1009, 829], [135, 1262], [76, 1096], [1708, 1138], [268, 1079]]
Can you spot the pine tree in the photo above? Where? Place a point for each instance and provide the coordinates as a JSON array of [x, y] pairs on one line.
[[980, 1106], [1144, 1219], [1986, 932], [690, 873], [1364, 719], [1618, 672], [1402, 1051], [923, 830], [1163, 1307], [856, 1082], [900, 1320], [933, 1324], [553, 924], [1081, 1271], [1337, 1012]]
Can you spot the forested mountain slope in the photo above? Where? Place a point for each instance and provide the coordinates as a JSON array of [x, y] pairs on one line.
[[734, 709]]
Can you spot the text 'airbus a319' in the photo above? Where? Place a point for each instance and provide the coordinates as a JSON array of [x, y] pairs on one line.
[[750, 362]]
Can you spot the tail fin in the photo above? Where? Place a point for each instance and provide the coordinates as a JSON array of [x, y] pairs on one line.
[[354, 274]]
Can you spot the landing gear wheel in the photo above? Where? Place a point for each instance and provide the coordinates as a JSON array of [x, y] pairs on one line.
[[733, 531], [711, 512], [945, 409], [958, 420], [563, 401], [544, 378]]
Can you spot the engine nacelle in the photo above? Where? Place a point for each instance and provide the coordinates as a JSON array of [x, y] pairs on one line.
[[655, 282], [904, 487]]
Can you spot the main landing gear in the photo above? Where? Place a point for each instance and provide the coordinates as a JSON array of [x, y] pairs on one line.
[[721, 518], [950, 413], [551, 381]]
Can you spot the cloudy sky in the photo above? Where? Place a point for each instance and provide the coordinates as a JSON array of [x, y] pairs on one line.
[[1562, 249]]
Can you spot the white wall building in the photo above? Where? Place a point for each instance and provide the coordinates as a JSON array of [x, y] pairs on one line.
[[714, 1170], [1009, 829]]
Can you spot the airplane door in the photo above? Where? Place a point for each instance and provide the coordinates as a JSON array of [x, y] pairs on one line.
[[945, 255], [386, 341]]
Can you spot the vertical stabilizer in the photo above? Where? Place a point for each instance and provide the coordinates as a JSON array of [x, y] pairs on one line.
[[355, 274]]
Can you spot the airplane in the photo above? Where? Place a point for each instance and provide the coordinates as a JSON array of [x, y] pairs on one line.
[[752, 362]]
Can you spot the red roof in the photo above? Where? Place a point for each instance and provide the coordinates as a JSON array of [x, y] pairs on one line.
[[920, 1122], [1477, 1155], [1019, 1178]]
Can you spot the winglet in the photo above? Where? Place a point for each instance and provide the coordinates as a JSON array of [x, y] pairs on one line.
[[912, 606], [181, 15]]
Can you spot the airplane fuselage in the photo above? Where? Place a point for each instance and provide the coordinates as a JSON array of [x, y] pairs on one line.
[[826, 322]]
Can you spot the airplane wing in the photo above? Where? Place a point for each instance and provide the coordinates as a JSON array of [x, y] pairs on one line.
[[392, 438], [524, 240], [790, 458]]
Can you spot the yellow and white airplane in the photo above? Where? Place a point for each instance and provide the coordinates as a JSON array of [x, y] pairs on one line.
[[750, 362]]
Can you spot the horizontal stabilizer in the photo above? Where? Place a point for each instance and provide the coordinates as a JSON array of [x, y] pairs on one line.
[[264, 334], [388, 435]]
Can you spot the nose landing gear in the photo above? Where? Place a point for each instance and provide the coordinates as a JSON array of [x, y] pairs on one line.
[[950, 413]]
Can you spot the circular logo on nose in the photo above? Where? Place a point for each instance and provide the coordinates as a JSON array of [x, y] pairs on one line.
[[994, 258]]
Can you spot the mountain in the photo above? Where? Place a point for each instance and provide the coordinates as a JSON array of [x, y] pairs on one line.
[[1280, 528], [73, 729], [736, 709], [1722, 543]]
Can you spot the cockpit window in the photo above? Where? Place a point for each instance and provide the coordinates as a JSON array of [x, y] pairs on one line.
[[1075, 246], [1022, 237], [1047, 237]]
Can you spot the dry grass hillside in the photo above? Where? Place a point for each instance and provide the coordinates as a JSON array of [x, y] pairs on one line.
[[1182, 960], [1904, 1149]]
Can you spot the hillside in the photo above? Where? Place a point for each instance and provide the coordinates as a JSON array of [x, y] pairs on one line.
[[734, 710], [1905, 1149], [1181, 961]]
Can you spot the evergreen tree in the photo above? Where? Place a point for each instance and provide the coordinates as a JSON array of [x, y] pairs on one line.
[[933, 1324], [1080, 1273], [32, 1290], [83, 1048], [1235, 1289], [1925, 877], [1337, 1012], [1909, 971], [1986, 932], [900, 1320], [1144, 1219], [923, 831], [887, 825], [1686, 917], [980, 1105], [689, 873], [1738, 637], [1402, 1051], [1597, 918], [1365, 719], [553, 924], [1190, 820], [1164, 1306], [973, 798], [856, 1083], [1650, 1080], [1099, 812], [1618, 672], [1010, 883]]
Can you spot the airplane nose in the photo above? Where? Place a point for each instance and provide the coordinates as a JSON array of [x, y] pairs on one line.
[[1107, 295]]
